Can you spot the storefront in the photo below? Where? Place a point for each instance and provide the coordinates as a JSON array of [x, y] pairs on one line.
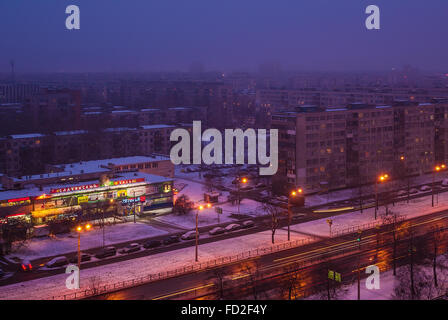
[[143, 194]]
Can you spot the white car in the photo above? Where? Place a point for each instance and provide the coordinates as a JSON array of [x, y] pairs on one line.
[[248, 224], [425, 188], [402, 193], [216, 230], [57, 262], [189, 235], [233, 227], [445, 183]]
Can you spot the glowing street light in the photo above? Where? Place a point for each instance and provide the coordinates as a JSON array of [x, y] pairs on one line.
[[244, 181], [293, 194], [81, 229], [437, 168], [200, 208], [381, 178]]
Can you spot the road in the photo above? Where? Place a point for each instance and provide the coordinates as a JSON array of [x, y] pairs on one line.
[[310, 261], [262, 224]]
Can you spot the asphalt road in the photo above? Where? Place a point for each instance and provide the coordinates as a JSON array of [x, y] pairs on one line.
[[262, 224], [311, 261]]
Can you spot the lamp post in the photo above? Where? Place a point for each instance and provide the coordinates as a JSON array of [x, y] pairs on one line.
[[380, 179], [436, 169], [244, 181], [293, 194], [200, 208], [80, 229]]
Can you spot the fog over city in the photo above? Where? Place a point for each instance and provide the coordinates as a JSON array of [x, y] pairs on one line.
[[233, 35], [225, 151]]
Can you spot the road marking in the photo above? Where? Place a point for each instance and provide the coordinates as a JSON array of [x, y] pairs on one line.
[[184, 291]]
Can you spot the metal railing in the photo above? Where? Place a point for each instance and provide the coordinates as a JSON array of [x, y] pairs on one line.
[[104, 289]]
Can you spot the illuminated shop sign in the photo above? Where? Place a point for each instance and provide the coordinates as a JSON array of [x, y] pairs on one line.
[[95, 185], [77, 188], [16, 202], [129, 181], [133, 200]]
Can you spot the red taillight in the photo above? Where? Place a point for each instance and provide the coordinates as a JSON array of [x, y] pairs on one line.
[[23, 267], [31, 267]]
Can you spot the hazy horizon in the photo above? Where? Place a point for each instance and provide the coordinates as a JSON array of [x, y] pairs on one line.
[[150, 36]]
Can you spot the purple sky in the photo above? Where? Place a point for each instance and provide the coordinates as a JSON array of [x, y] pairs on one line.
[[155, 35]]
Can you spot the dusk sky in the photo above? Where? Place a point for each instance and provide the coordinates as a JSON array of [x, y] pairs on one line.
[[150, 35]]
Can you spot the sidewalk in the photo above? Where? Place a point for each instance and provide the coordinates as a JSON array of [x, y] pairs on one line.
[[46, 288]]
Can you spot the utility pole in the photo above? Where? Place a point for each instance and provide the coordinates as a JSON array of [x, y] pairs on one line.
[[359, 261]]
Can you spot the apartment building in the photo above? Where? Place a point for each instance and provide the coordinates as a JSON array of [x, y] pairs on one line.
[[330, 148], [27, 154]]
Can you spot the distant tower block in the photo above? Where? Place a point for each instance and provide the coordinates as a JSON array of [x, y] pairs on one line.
[[12, 70]]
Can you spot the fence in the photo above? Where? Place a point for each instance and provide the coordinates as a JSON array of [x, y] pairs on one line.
[[364, 226], [103, 289]]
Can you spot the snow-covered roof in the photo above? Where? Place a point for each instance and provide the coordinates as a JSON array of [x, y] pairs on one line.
[[157, 126], [96, 164], [66, 133], [26, 135], [33, 192]]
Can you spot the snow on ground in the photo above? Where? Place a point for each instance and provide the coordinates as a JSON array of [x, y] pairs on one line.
[[416, 207], [195, 192], [61, 244], [388, 283], [47, 287], [339, 195]]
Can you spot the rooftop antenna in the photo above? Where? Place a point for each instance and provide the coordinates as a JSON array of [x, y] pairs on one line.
[[12, 70]]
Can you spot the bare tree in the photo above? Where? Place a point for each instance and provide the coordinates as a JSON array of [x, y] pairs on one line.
[[393, 222], [252, 269], [274, 212], [291, 284], [183, 205], [218, 278]]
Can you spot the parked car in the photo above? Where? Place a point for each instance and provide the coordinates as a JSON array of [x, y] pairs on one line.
[[25, 265], [57, 262], [445, 183], [171, 240], [216, 230], [232, 227], [84, 257], [425, 188], [413, 191], [106, 252], [402, 193], [133, 247], [189, 235], [152, 244], [247, 224], [260, 185], [299, 216]]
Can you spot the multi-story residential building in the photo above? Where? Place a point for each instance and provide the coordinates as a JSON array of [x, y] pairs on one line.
[[53, 110], [27, 154], [329, 148], [276, 99]]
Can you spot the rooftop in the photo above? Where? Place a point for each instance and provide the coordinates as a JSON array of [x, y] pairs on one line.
[[34, 192]]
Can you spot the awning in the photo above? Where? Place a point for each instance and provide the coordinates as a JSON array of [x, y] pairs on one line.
[[54, 211]]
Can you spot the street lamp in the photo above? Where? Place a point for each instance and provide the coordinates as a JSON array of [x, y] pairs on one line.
[[380, 179], [244, 181], [436, 169], [81, 229], [200, 208], [293, 194]]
